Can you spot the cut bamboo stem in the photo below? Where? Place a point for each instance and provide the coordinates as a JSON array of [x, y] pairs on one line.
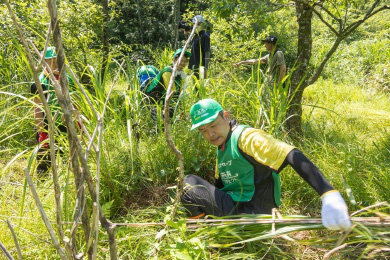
[[366, 221]]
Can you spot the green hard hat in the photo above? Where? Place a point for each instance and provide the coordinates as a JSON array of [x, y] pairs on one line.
[[179, 51], [204, 111], [50, 53]]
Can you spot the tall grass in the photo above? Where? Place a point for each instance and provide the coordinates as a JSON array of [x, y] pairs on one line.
[[346, 135]]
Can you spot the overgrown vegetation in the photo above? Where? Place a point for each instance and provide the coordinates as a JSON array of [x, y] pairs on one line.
[[346, 132]]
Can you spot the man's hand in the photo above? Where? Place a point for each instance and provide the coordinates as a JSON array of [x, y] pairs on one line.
[[42, 136], [334, 212]]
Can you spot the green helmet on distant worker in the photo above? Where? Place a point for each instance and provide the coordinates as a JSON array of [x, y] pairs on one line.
[[179, 51], [50, 53]]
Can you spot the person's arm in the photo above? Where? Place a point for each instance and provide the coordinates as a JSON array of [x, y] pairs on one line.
[[39, 115], [282, 72], [262, 60], [206, 53], [282, 65], [166, 76], [334, 209], [307, 170], [206, 64], [251, 61]]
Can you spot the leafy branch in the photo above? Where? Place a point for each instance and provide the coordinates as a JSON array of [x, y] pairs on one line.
[[342, 32]]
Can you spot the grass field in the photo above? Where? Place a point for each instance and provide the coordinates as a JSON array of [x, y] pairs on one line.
[[346, 134]]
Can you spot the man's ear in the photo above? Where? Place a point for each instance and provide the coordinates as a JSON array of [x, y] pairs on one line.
[[226, 115]]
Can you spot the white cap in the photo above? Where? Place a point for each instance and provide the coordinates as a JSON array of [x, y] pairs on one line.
[[199, 18]]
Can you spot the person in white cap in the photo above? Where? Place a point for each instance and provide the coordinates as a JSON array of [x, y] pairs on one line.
[[200, 58]]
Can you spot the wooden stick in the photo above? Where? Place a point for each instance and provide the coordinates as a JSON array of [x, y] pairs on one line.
[[5, 251], [331, 252], [15, 240], [167, 132], [367, 221], [370, 207], [30, 233], [45, 219], [75, 146], [57, 188], [167, 126]]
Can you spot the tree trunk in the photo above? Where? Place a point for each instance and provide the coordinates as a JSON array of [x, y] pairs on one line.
[[176, 18], [299, 78], [106, 48], [141, 35]]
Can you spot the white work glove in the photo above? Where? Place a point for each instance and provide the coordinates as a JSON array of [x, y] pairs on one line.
[[181, 74], [202, 72], [334, 212]]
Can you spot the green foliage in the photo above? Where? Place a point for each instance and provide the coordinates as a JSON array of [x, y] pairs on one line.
[[257, 236], [363, 58], [185, 246], [346, 123], [141, 22], [357, 153], [81, 26]]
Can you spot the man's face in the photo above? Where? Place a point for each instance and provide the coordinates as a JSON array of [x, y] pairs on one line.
[[217, 131], [52, 64], [269, 46], [199, 27], [183, 63]]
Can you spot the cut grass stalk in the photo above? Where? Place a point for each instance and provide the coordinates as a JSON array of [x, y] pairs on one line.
[[301, 220]]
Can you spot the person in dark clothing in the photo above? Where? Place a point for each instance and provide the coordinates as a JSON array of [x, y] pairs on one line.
[[249, 162], [199, 60]]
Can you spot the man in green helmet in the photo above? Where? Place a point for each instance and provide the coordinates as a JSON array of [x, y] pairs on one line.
[[248, 165], [158, 87], [41, 123]]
